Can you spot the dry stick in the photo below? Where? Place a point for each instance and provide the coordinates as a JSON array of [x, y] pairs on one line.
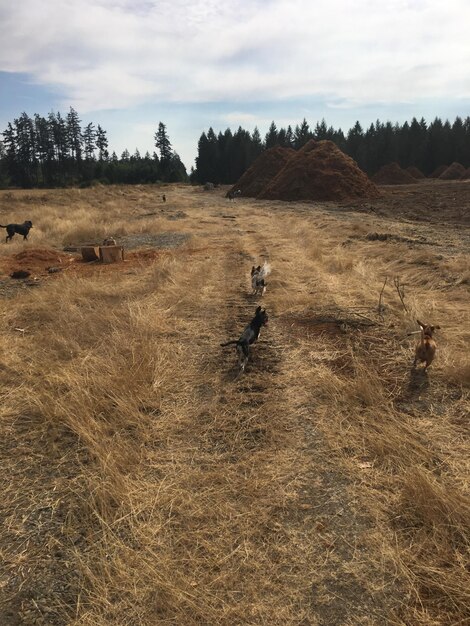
[[401, 291], [380, 298]]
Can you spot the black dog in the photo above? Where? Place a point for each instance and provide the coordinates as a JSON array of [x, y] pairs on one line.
[[21, 229], [249, 336]]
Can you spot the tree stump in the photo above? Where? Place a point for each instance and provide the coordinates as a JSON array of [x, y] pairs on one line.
[[111, 254], [90, 253]]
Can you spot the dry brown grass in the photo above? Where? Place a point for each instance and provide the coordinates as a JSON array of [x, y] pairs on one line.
[[144, 484]]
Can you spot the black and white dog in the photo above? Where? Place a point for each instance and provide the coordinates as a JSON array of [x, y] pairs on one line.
[[231, 195], [21, 229], [258, 274], [248, 337]]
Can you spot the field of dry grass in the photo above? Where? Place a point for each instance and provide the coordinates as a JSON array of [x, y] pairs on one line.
[[145, 483]]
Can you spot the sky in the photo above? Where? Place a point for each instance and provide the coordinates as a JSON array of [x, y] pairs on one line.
[[129, 64]]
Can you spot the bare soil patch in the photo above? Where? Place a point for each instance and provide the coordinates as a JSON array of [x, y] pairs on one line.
[[444, 202]]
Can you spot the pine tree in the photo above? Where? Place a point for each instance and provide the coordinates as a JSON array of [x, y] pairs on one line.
[[302, 134], [355, 144], [44, 148], [256, 145], [207, 159], [74, 135], [89, 139], [289, 137], [26, 150], [271, 138], [102, 144], [162, 143], [321, 131]]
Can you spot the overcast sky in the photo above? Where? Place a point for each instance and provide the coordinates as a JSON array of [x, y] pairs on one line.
[[128, 64]]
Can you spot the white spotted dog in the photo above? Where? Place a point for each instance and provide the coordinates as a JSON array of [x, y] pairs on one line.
[[258, 275], [248, 337]]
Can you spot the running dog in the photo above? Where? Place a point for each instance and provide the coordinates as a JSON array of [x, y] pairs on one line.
[[426, 347], [248, 337], [258, 274], [21, 229]]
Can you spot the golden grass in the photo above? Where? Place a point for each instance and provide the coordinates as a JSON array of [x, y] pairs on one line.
[[145, 484]]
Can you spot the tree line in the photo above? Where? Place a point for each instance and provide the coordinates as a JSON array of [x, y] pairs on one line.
[[224, 157], [57, 151]]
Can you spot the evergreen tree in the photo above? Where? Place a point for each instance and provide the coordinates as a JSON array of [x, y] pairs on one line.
[[4, 178], [458, 141], [89, 139], [271, 138], [74, 135], [102, 144], [26, 151], [289, 137], [45, 149], [355, 144], [321, 131], [302, 134], [162, 143]]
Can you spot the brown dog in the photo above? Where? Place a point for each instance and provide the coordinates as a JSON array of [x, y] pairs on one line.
[[426, 348]]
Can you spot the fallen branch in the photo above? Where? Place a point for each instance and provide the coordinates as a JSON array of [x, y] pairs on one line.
[[400, 287], [381, 307]]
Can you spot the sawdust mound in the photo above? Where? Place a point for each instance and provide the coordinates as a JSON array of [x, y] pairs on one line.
[[438, 171], [319, 171], [393, 174], [415, 172], [453, 172], [466, 175], [40, 254], [36, 258], [263, 170]]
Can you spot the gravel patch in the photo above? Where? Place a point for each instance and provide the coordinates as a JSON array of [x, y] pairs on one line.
[[163, 240]]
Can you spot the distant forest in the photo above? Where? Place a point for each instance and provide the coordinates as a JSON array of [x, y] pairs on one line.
[[57, 151], [224, 157]]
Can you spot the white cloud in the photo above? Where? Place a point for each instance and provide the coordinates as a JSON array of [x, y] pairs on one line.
[[105, 54], [239, 118]]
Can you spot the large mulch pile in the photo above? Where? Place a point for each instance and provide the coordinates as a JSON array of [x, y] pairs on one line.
[[415, 172], [453, 172], [393, 174], [263, 170], [440, 169], [466, 175], [319, 171]]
